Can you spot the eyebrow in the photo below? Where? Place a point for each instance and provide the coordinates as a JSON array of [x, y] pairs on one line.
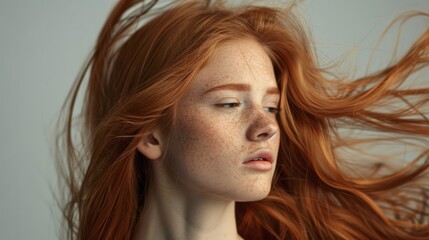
[[240, 87]]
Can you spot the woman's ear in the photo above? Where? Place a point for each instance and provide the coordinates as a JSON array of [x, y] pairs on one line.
[[150, 145]]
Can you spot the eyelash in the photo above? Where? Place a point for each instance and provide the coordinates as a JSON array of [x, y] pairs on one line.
[[229, 105], [274, 110], [236, 104]]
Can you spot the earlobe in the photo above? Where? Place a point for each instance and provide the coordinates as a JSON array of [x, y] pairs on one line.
[[150, 145]]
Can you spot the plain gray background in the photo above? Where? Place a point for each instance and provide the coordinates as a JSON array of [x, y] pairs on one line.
[[43, 44]]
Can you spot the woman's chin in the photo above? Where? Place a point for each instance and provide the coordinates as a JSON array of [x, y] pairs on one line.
[[252, 196]]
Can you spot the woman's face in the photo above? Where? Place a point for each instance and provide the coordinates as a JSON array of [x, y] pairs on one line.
[[226, 119]]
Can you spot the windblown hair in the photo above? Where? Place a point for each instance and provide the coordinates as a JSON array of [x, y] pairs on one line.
[[138, 72]]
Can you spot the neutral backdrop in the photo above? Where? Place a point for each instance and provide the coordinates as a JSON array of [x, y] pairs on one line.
[[43, 44]]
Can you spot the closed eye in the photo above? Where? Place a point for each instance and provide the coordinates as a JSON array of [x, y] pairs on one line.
[[228, 105], [272, 110]]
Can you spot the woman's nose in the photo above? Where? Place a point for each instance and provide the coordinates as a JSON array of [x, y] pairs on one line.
[[262, 128]]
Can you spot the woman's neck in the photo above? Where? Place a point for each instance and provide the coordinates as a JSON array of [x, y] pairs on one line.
[[174, 213]]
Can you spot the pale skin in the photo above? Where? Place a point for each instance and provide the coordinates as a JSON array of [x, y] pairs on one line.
[[227, 115]]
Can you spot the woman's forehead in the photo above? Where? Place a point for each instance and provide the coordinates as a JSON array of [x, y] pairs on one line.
[[237, 61]]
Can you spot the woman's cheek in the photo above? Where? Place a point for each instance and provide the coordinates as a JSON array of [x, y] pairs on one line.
[[205, 139]]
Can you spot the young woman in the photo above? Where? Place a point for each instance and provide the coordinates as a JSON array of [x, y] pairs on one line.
[[214, 122]]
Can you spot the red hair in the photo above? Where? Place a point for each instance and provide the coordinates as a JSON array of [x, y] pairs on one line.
[[137, 74]]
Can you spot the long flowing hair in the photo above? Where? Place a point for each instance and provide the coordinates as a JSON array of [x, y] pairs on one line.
[[145, 59]]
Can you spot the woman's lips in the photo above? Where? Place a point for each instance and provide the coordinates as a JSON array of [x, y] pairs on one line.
[[259, 165], [261, 160]]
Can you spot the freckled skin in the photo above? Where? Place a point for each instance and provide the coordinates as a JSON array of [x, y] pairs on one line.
[[209, 142]]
